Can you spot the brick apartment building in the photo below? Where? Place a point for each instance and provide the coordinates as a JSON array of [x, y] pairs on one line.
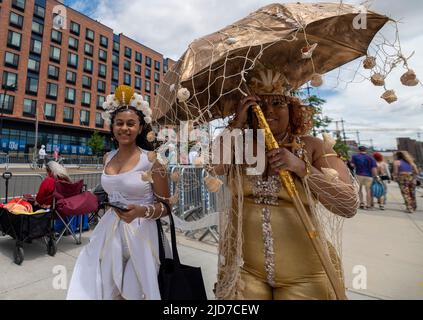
[[58, 65], [415, 148]]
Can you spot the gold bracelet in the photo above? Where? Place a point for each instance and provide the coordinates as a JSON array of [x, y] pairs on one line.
[[330, 155]]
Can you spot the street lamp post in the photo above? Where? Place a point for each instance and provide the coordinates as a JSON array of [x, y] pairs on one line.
[[6, 88]]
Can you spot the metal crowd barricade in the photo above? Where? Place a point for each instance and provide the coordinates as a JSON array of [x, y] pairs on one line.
[[91, 180], [21, 184]]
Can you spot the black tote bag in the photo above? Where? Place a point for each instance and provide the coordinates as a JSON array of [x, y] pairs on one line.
[[177, 281]]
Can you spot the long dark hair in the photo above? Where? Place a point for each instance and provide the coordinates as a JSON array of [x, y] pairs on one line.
[[141, 140]]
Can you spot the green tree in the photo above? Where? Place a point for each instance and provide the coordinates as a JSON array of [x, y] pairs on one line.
[[319, 121], [96, 143], [341, 148]]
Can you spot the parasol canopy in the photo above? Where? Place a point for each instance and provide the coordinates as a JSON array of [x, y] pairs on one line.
[[301, 41]]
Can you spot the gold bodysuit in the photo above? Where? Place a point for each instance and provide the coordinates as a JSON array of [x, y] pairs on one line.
[[279, 259]]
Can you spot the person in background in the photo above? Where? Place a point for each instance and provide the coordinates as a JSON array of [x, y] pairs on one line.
[[365, 169], [56, 154], [42, 156], [405, 173], [385, 175], [55, 172]]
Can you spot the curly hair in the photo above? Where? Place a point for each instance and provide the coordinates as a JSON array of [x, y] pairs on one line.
[[141, 140], [300, 116]]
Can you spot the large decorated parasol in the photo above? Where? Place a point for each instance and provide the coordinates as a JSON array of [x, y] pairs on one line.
[[301, 41]]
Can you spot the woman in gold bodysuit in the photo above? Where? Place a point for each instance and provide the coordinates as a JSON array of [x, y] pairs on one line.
[[265, 251]]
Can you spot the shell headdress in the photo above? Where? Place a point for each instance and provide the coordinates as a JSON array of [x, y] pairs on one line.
[[125, 97]]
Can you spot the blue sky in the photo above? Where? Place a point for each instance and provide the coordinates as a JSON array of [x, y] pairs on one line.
[[168, 26]]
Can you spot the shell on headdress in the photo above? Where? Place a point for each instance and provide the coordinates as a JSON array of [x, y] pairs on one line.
[[307, 51], [389, 96], [409, 79], [213, 184], [183, 94], [316, 80], [152, 156], [174, 199], [124, 94], [369, 62], [378, 79]]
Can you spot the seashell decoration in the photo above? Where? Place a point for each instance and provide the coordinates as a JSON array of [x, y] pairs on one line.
[[152, 156], [389, 96], [409, 79], [183, 94], [174, 199], [369, 62], [316, 80], [175, 176], [378, 80], [328, 140], [330, 174], [213, 184], [151, 136], [307, 52], [147, 176], [198, 161]]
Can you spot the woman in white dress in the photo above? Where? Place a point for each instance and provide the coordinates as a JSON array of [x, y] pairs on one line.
[[121, 260]]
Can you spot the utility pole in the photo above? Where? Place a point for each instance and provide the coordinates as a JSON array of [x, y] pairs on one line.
[[343, 131], [358, 137], [34, 155]]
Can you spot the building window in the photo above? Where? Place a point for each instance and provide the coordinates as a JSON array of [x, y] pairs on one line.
[[147, 98], [14, 40], [113, 88], [15, 20], [100, 101], [99, 122], [148, 61], [156, 88], [73, 43], [128, 52], [156, 76], [7, 103], [89, 34], [84, 118], [29, 108], [138, 83], [127, 65], [104, 42], [53, 72], [88, 65], [31, 86], [147, 86], [115, 59], [147, 73], [56, 36], [86, 82], [74, 28], [18, 4], [88, 49], [101, 86], [51, 91], [70, 95], [39, 11], [36, 46], [33, 65], [86, 98], [11, 60], [37, 28], [115, 74], [127, 79], [137, 69], [70, 77], [157, 65], [116, 46], [10, 79], [72, 60], [55, 54], [138, 56], [68, 114], [102, 55], [50, 111], [102, 70]]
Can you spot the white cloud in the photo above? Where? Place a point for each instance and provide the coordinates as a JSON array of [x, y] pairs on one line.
[[169, 26]]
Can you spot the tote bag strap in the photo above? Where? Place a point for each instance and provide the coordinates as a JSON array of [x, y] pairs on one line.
[[172, 235]]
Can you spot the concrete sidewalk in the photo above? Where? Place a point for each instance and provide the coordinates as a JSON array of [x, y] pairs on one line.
[[388, 244]]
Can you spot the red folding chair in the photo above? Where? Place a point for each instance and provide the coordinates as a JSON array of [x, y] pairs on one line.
[[70, 201]]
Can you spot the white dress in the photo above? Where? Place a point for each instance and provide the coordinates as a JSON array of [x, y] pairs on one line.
[[121, 260]]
